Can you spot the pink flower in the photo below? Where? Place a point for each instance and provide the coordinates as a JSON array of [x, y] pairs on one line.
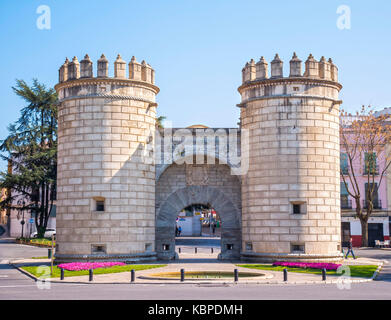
[[311, 265], [77, 266]]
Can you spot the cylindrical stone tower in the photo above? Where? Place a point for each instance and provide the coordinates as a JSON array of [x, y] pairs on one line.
[[291, 192], [106, 176]]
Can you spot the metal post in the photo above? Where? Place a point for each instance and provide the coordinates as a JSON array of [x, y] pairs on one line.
[[236, 275], [49, 253], [179, 250], [91, 274], [195, 250], [324, 274], [211, 250], [182, 275], [132, 275], [62, 274], [52, 257], [285, 275]]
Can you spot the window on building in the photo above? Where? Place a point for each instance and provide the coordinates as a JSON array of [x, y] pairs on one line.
[[344, 163], [100, 205], [297, 248], [376, 202], [98, 249], [370, 165], [298, 207], [345, 202]]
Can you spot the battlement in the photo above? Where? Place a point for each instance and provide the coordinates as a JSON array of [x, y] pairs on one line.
[[72, 70], [322, 69]]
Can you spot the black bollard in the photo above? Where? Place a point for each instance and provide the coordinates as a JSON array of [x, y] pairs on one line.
[[62, 274], [285, 275], [182, 275], [323, 274], [49, 253], [132, 275], [179, 250], [236, 275], [211, 250], [91, 274], [195, 250]]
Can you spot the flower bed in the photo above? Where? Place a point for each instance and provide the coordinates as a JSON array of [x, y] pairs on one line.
[[309, 265], [43, 243], [77, 266]]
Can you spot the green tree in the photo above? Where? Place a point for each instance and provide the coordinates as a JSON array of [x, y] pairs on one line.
[[159, 122], [31, 151]]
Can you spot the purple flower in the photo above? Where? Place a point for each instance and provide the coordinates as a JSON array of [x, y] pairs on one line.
[[312, 265], [77, 266]]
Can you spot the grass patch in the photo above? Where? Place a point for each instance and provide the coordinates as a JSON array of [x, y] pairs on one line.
[[364, 271], [44, 257], [115, 269]]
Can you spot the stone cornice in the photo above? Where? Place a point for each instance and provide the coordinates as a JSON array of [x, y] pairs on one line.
[[290, 80], [284, 96], [115, 81], [108, 96]]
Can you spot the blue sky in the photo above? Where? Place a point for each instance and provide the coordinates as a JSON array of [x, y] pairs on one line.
[[197, 48]]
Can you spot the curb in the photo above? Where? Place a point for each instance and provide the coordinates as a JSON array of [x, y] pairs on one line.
[[24, 272]]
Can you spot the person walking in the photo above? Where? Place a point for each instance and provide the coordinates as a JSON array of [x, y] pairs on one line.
[[350, 249], [179, 231]]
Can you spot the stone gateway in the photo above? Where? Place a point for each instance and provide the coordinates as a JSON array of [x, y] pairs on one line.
[[116, 199]]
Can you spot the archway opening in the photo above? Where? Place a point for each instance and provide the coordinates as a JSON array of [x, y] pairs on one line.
[[198, 232], [198, 220], [211, 197]]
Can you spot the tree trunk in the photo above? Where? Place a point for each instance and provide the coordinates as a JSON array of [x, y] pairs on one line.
[[364, 233], [8, 215]]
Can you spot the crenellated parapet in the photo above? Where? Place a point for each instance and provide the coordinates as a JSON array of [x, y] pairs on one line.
[[84, 69], [318, 81], [77, 80], [324, 70]]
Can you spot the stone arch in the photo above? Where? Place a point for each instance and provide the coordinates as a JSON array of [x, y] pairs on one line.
[[229, 212]]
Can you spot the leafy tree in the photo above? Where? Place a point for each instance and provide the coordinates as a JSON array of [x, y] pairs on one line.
[[159, 122], [365, 138], [31, 152]]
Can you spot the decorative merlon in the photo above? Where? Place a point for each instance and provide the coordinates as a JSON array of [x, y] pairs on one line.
[[323, 69], [75, 70]]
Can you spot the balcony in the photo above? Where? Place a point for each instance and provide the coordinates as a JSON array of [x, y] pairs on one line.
[[346, 204], [371, 170], [376, 204]]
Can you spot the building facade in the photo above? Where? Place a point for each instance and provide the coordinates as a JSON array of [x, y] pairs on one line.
[[379, 222]]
